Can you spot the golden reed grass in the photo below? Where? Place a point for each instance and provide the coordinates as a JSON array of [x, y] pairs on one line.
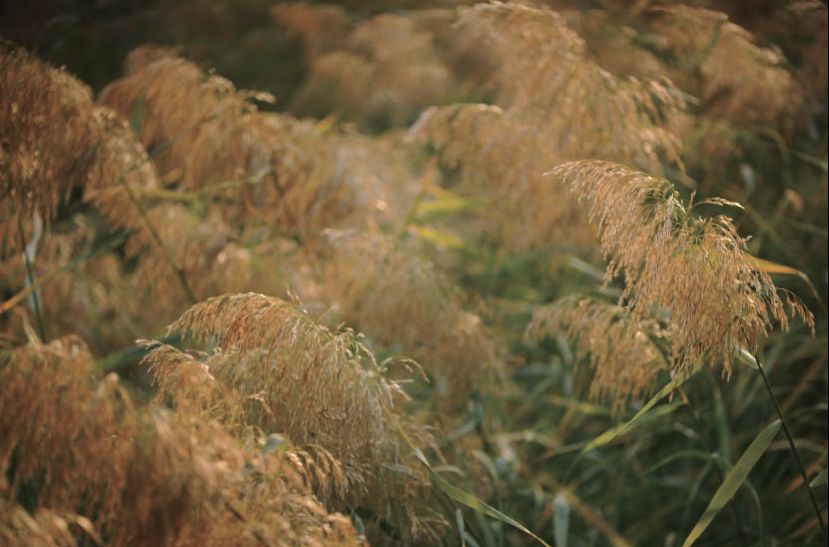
[[380, 73], [737, 79], [208, 137], [54, 140], [554, 104], [270, 366], [80, 460], [397, 298], [696, 269], [617, 347], [266, 427]]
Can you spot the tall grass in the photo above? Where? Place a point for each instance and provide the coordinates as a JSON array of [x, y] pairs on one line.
[[482, 275]]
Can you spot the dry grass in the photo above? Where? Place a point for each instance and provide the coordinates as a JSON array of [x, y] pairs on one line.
[[395, 297], [382, 74], [696, 269], [55, 139], [159, 97], [737, 79], [278, 171], [83, 460], [322, 28], [439, 251], [47, 136], [97, 291], [545, 77], [283, 373], [618, 348], [556, 104]]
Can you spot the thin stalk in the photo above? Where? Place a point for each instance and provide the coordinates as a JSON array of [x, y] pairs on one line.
[[48, 276], [182, 278], [30, 278], [792, 446]]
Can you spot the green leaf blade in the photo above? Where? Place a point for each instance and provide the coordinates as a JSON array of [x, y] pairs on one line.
[[735, 477]]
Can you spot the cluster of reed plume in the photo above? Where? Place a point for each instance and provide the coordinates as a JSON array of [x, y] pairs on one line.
[[264, 240]]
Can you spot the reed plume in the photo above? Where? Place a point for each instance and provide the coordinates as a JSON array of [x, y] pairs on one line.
[[177, 107], [503, 159], [618, 348], [616, 41], [81, 461], [291, 376], [556, 104], [97, 289], [545, 75], [385, 71], [122, 173], [695, 269], [251, 167], [322, 28], [396, 298], [738, 80], [177, 247], [56, 143], [55, 140], [47, 136]]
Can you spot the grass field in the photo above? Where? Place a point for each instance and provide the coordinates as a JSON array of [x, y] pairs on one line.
[[413, 273]]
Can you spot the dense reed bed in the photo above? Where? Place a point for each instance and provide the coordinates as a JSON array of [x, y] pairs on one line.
[[420, 273]]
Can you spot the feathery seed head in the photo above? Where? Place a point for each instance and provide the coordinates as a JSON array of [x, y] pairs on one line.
[[397, 298], [286, 374], [617, 347], [695, 269]]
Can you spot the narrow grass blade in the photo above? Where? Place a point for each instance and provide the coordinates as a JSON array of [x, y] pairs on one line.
[[441, 239], [473, 502], [621, 429], [733, 480], [583, 510], [462, 496], [769, 267]]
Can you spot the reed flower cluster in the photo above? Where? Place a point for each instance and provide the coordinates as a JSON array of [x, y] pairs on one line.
[[409, 302], [738, 80], [555, 104], [271, 367], [694, 269], [82, 461], [55, 139], [620, 350], [395, 297]]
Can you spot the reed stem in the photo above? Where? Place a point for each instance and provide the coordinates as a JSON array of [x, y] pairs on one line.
[[792, 446]]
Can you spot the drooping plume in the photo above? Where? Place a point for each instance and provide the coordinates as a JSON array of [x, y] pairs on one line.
[[694, 269]]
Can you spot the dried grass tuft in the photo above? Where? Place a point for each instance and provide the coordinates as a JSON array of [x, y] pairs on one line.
[[322, 28], [54, 140], [286, 374], [544, 76], [617, 347], [556, 104], [397, 298], [695, 269], [381, 74], [739, 80], [251, 167], [178, 108], [81, 461]]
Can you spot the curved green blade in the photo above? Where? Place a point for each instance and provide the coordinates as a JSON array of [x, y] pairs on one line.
[[733, 480]]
